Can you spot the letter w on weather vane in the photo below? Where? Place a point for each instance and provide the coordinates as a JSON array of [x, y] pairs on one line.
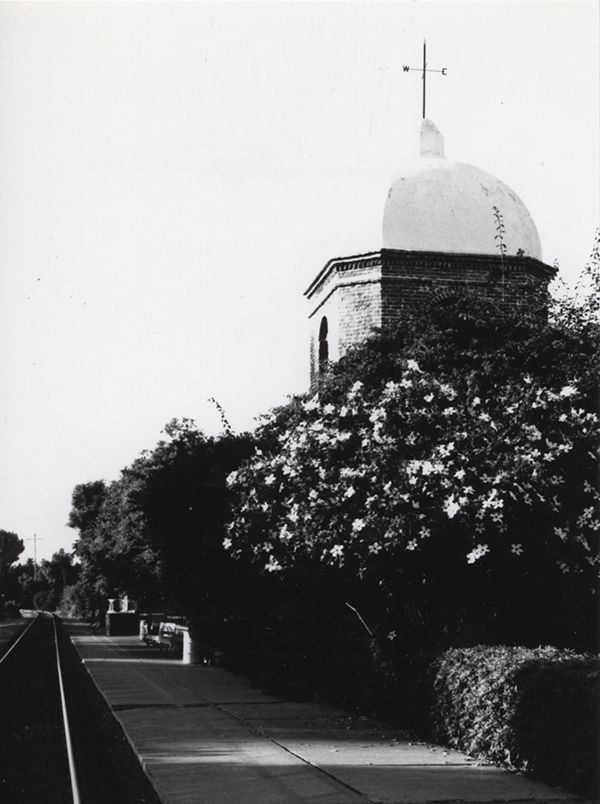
[[424, 69]]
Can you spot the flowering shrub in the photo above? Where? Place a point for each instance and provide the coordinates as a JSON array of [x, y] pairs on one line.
[[417, 470]]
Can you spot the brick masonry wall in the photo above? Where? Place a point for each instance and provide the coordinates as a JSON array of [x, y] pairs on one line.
[[349, 296], [360, 312], [410, 279], [329, 309], [376, 291]]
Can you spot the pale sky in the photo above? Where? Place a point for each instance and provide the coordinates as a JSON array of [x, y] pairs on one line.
[[173, 176]]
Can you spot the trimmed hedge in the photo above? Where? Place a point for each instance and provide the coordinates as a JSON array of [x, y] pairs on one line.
[[530, 709]]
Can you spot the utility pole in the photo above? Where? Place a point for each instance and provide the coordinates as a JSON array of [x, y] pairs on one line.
[[35, 539]]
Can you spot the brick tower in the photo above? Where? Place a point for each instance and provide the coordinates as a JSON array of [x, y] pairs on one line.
[[447, 227]]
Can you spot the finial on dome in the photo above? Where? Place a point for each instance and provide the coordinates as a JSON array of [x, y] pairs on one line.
[[432, 140]]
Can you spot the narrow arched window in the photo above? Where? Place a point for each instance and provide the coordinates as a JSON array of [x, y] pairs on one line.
[[323, 343]]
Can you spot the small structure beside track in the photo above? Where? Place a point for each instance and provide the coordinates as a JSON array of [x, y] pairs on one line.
[[121, 617]]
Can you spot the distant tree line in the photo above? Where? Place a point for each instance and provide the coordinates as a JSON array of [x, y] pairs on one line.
[[25, 585]]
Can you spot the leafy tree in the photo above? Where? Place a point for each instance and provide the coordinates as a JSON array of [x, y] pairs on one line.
[[114, 557], [180, 488], [11, 548], [156, 533], [86, 502], [53, 577], [28, 586]]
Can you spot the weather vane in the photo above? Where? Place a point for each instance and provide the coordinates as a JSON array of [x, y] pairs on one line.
[[424, 69]]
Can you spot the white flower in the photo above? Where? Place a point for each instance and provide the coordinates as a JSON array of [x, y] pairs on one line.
[[227, 543], [231, 478], [492, 500], [355, 389], [337, 550], [451, 507], [390, 388], [533, 433], [312, 404], [269, 480], [428, 398], [347, 471], [358, 525], [429, 468], [375, 548], [412, 365], [459, 474], [446, 449], [329, 409], [448, 390], [424, 533], [568, 390], [392, 636], [273, 565], [479, 551], [517, 549], [476, 401], [411, 545], [350, 492]]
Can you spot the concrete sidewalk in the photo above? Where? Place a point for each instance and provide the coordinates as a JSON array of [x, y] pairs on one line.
[[205, 736]]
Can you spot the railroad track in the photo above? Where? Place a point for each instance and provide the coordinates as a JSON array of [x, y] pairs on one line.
[[59, 743]]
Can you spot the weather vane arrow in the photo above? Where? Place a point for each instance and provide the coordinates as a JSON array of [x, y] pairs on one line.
[[424, 69]]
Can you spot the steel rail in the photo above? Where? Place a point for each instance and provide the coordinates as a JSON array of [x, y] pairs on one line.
[[19, 638], [70, 755]]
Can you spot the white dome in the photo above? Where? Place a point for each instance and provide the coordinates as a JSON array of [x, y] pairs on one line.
[[438, 205]]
